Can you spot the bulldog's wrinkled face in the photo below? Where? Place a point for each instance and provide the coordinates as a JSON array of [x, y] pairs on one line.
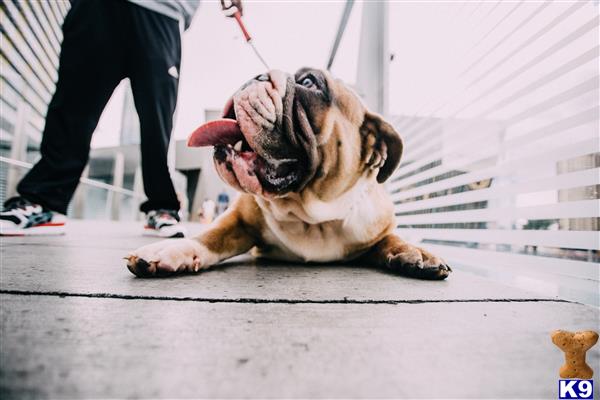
[[283, 133]]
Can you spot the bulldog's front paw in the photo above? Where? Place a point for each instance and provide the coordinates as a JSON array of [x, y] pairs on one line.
[[417, 263], [168, 257]]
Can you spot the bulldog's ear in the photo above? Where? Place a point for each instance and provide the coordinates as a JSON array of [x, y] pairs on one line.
[[382, 145]]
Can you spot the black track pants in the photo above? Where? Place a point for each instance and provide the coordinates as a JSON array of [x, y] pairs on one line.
[[104, 42]]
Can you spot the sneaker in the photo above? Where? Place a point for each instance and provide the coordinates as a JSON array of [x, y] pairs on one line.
[[164, 223], [20, 217]]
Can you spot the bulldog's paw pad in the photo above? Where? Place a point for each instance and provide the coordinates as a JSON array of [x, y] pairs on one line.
[[164, 258], [418, 263], [146, 269]]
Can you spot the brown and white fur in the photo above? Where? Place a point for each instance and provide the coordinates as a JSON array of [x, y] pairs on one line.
[[342, 212]]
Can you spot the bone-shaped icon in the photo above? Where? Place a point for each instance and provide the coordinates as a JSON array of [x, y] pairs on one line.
[[574, 346]]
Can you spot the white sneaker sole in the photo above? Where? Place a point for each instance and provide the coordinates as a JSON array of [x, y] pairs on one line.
[[40, 230], [165, 232]]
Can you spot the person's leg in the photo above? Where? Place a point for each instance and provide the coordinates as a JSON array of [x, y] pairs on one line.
[[90, 68], [153, 69]]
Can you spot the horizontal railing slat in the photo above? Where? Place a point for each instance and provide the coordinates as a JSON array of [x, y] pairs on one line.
[[499, 260], [55, 24], [8, 112], [555, 182], [416, 138], [546, 238], [31, 63], [558, 153], [38, 11], [8, 74], [25, 71], [484, 152], [30, 39], [588, 57], [45, 44], [571, 209]]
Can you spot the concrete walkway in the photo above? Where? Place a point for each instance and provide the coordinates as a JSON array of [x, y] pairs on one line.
[[77, 324]]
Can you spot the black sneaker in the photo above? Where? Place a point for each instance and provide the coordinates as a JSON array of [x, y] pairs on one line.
[[164, 223], [20, 217]]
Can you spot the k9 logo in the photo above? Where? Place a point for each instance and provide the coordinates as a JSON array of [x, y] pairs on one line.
[[575, 389]]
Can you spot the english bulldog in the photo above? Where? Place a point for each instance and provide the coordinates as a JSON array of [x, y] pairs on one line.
[[310, 162]]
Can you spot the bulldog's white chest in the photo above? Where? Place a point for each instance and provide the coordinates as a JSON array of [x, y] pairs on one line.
[[303, 242], [347, 223]]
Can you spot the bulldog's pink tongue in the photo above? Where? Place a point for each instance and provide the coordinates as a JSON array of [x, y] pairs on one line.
[[220, 131]]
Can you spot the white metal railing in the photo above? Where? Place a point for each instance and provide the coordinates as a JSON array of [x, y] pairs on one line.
[[501, 172], [85, 181], [112, 204]]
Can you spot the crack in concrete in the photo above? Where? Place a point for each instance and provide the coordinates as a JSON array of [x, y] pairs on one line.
[[244, 300]]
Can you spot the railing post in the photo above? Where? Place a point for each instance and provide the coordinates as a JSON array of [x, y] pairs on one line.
[[118, 172], [79, 197], [18, 149], [138, 190], [374, 56]]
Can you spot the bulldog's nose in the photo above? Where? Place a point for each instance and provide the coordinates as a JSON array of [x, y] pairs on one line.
[[279, 80]]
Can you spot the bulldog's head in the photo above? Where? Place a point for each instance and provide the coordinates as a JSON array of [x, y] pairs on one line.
[[284, 133]]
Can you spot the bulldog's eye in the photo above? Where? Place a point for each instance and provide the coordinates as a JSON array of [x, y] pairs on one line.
[[308, 82], [262, 78]]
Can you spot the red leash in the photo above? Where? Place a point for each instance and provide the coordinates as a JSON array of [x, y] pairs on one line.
[[238, 18]]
